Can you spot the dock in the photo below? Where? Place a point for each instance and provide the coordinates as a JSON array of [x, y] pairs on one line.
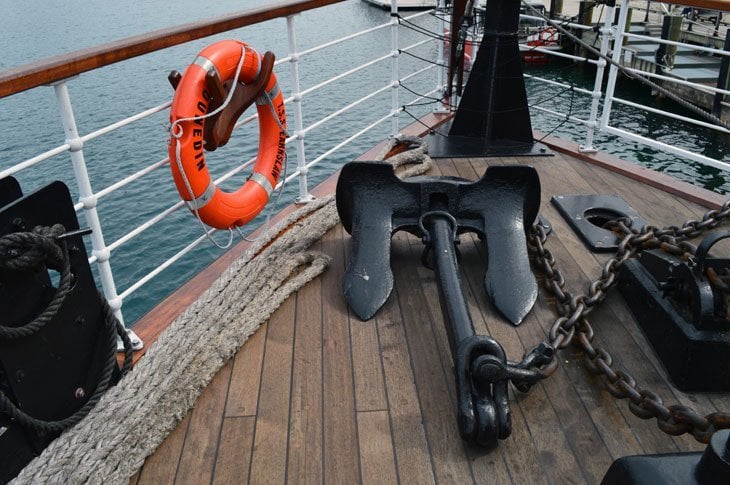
[[701, 28]]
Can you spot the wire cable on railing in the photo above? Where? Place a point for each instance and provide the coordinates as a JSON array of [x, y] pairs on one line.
[[565, 120], [695, 109]]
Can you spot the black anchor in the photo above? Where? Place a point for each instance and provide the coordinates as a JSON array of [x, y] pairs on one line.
[[373, 203]]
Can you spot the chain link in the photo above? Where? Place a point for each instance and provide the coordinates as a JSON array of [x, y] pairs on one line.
[[572, 327]]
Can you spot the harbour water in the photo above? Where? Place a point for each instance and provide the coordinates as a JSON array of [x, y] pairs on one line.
[[29, 122]]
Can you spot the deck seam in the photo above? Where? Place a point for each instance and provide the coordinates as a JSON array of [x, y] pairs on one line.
[[258, 402], [220, 428], [291, 388], [418, 394], [343, 254], [387, 396]]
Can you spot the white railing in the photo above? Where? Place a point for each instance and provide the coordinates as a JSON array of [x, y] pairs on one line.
[[615, 34], [389, 80], [89, 199]]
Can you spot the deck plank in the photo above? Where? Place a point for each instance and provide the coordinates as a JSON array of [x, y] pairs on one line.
[[161, 467], [450, 463], [243, 393], [412, 452], [269, 456], [198, 455], [370, 393], [341, 463], [305, 413], [376, 448], [234, 451]]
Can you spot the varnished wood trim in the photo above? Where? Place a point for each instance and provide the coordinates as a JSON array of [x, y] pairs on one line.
[[52, 69], [662, 181]]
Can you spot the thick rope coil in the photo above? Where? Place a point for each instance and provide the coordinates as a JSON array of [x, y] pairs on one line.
[[32, 251], [134, 417]]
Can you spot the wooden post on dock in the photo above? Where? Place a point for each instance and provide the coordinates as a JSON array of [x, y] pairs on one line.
[[722, 80], [671, 30], [556, 8], [585, 17]]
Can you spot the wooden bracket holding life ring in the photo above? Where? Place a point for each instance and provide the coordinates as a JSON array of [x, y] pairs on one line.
[[201, 90]]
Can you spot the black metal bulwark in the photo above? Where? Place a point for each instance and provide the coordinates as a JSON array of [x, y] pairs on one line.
[[683, 313], [373, 204], [711, 467], [51, 374]]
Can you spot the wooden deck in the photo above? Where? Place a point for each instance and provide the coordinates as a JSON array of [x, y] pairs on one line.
[[317, 395]]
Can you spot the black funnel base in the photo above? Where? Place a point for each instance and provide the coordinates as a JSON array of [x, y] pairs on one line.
[[443, 145]]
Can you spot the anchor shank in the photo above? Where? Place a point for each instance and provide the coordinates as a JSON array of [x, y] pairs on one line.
[[459, 325]]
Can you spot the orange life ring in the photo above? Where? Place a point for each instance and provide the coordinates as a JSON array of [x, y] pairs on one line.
[[215, 207]]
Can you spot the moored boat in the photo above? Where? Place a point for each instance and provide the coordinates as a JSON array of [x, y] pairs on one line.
[[317, 393]]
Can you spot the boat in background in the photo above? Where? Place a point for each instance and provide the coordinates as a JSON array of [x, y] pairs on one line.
[[534, 33], [305, 351], [536, 36]]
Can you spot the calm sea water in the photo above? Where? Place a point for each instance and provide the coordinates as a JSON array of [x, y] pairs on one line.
[[29, 122]]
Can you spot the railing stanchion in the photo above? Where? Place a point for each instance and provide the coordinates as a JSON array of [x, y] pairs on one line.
[[395, 68], [618, 41], [441, 60], [605, 33], [304, 195], [89, 200]]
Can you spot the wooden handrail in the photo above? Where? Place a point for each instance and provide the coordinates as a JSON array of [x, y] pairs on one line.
[[52, 69]]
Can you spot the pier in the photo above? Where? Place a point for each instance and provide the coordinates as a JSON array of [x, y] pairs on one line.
[[652, 21]]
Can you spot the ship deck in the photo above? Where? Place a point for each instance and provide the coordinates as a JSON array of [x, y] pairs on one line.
[[316, 395]]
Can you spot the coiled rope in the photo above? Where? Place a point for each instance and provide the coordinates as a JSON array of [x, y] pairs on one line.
[[134, 417], [34, 251]]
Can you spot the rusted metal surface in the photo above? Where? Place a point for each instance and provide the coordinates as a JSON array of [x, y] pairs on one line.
[[572, 326]]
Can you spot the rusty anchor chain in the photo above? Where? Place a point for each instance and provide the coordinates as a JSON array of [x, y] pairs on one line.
[[572, 325]]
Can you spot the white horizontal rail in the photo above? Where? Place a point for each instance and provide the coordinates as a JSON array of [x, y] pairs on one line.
[[699, 87], [345, 74], [671, 115], [137, 175], [35, 160], [559, 84], [144, 226], [562, 24], [356, 35], [159, 269], [527, 48], [125, 122], [348, 107], [710, 50], [560, 115], [667, 148], [343, 143], [360, 133], [356, 69]]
